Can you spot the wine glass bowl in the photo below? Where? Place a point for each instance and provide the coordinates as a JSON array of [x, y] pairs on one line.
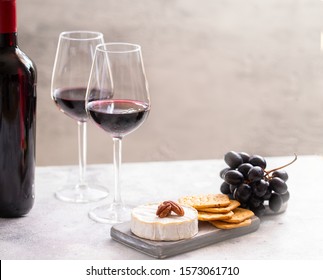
[[118, 102], [72, 66]]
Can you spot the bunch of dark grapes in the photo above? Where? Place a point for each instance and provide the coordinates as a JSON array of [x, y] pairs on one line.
[[246, 180]]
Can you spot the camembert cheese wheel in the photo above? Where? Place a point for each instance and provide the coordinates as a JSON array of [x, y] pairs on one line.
[[146, 224]]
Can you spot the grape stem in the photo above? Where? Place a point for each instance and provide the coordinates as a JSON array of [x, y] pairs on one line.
[[272, 170]]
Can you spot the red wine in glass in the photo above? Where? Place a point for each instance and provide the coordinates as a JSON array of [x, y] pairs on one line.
[[118, 117], [118, 102], [72, 66], [71, 101]]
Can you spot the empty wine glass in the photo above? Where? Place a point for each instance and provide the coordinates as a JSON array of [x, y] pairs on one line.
[[73, 61], [117, 100]]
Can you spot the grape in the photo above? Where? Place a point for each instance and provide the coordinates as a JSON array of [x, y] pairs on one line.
[[275, 202], [232, 188], [242, 193], [255, 173], [247, 181], [260, 187], [244, 205], [278, 185], [285, 196], [244, 169], [268, 193], [255, 201], [233, 177], [223, 171], [259, 210], [282, 174], [225, 188], [245, 157], [258, 161], [233, 159]]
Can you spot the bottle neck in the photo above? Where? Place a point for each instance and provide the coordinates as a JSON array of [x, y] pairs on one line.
[[8, 40], [8, 23]]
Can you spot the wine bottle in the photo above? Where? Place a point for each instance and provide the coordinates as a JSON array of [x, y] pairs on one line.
[[18, 78]]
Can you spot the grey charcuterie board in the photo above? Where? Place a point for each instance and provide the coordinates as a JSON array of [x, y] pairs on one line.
[[207, 235]]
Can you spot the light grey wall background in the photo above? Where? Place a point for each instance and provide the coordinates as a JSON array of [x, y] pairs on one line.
[[223, 75]]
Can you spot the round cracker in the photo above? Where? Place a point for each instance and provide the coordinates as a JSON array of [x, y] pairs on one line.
[[240, 214], [205, 200], [225, 225], [204, 216], [233, 205]]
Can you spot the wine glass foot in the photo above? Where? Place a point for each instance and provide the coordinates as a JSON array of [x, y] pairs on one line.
[[111, 214], [82, 193]]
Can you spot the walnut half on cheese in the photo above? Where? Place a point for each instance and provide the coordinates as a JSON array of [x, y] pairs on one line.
[[146, 224]]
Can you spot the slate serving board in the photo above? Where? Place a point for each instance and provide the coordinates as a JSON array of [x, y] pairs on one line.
[[207, 235]]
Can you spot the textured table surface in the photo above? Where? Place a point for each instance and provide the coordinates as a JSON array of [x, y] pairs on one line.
[[59, 230]]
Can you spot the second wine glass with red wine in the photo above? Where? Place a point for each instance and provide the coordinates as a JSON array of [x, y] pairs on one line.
[[72, 67], [118, 102]]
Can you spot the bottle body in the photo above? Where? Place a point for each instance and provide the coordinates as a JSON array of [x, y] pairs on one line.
[[18, 79]]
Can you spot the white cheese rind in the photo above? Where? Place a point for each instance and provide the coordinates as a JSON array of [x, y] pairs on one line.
[[146, 224]]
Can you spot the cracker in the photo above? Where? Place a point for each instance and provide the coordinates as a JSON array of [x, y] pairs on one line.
[[233, 205], [226, 225], [204, 216], [205, 201], [240, 215]]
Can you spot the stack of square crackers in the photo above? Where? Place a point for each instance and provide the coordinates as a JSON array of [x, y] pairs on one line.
[[218, 209]]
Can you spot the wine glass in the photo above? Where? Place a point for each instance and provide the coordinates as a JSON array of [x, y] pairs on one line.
[[117, 100], [73, 61]]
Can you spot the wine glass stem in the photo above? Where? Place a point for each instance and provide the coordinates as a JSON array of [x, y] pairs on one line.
[[82, 151], [117, 147]]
